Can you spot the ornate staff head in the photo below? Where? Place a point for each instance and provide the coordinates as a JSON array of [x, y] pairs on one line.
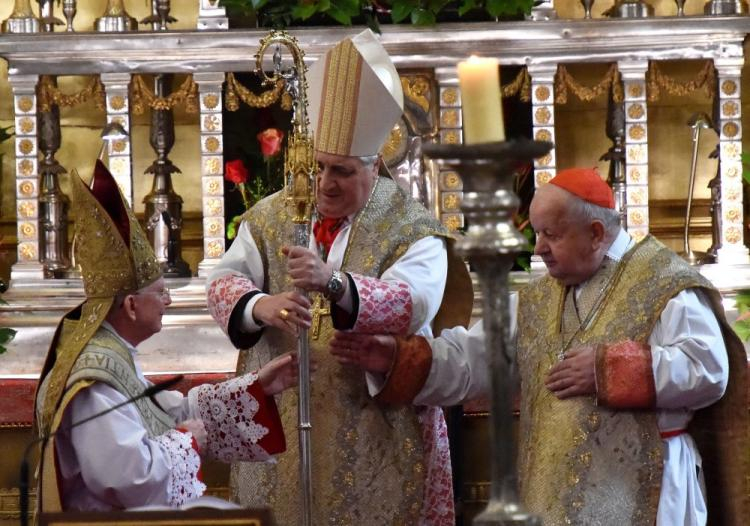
[[299, 155]]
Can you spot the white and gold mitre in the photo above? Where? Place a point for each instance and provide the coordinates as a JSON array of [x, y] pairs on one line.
[[355, 97], [110, 246]]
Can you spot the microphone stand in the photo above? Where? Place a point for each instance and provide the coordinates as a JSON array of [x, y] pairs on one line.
[[23, 486]]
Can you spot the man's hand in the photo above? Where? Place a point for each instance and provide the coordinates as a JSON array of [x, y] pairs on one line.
[[197, 429], [373, 353], [306, 269], [575, 374], [279, 374], [285, 311]]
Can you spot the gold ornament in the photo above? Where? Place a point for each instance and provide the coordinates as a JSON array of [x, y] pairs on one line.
[[28, 230], [449, 118], [25, 104], [26, 209], [451, 180], [543, 177], [542, 93], [728, 87], [211, 101], [542, 115], [637, 132], [543, 135], [564, 80], [657, 80], [450, 137], [449, 97], [636, 111], [732, 235], [27, 251], [212, 144], [25, 146], [26, 167], [730, 108], [214, 249], [26, 188], [26, 125], [212, 166], [730, 129]]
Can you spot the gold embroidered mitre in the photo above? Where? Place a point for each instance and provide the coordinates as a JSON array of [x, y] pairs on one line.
[[111, 247], [355, 97]]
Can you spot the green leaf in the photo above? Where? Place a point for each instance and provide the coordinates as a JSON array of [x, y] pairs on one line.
[[422, 17], [304, 11], [742, 301], [400, 9], [742, 328], [340, 16], [6, 335], [350, 7], [466, 6]]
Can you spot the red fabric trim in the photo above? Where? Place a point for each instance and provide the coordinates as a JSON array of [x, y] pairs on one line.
[[624, 378], [268, 416], [223, 294], [673, 433], [410, 370]]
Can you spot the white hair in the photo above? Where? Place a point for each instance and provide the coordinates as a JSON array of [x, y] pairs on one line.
[[588, 212]]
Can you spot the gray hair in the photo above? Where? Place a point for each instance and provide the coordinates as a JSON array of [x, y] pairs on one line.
[[589, 212], [369, 160]]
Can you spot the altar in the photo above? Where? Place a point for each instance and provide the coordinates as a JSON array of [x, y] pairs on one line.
[[622, 87]]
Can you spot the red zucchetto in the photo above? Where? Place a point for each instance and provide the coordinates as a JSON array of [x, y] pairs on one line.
[[586, 184]]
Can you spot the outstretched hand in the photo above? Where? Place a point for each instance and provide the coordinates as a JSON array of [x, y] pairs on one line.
[[574, 375], [372, 352], [279, 374], [286, 311], [306, 269]]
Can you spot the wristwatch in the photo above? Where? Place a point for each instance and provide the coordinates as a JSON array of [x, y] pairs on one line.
[[335, 286]]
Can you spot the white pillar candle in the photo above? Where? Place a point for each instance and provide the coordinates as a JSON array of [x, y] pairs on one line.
[[479, 79]]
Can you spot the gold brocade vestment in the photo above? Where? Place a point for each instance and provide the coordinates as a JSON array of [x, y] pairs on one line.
[[367, 458], [580, 463]]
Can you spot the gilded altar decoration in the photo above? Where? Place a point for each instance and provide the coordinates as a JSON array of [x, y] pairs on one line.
[[543, 115], [636, 111], [449, 118], [656, 80], [236, 92], [449, 97], [25, 104], [732, 234], [212, 144], [25, 167], [26, 125], [117, 102], [212, 166], [543, 177], [451, 201], [28, 230], [27, 251], [542, 93], [212, 123], [637, 132], [730, 129], [451, 181], [728, 87], [637, 196], [452, 222], [143, 96], [635, 90], [543, 135], [449, 137], [731, 172], [211, 101], [214, 249], [417, 89], [25, 146], [564, 80], [636, 153], [26, 209], [731, 151], [521, 86], [730, 108], [50, 94], [733, 214], [26, 188], [636, 217]]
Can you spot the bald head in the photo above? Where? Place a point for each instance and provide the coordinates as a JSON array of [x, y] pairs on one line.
[[572, 236]]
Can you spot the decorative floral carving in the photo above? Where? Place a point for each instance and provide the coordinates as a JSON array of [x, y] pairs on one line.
[[449, 96]]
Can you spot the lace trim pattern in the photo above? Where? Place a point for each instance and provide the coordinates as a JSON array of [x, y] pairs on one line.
[[384, 306], [437, 503], [223, 294], [184, 485], [228, 412]]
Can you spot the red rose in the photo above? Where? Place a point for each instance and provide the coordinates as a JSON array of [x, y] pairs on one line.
[[235, 171], [270, 141]]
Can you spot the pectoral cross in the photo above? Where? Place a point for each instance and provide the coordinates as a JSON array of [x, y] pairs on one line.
[[318, 311]]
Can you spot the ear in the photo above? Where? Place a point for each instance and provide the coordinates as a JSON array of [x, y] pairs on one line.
[[598, 233], [128, 307]]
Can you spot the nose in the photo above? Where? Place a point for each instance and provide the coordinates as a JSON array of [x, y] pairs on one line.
[[541, 246], [166, 298]]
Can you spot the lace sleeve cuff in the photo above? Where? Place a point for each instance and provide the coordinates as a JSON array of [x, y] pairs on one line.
[[223, 295], [184, 484], [624, 377], [236, 415], [384, 306]]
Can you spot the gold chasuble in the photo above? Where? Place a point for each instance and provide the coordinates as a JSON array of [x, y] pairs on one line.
[[582, 463], [367, 458]]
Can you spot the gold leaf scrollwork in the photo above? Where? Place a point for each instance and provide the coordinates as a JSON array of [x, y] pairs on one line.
[[236, 92], [50, 94], [417, 89], [143, 97], [656, 81], [521, 86], [564, 80]]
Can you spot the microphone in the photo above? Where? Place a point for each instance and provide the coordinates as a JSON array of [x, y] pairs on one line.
[[23, 486]]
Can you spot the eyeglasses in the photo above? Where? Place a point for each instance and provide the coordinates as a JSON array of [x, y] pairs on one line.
[[162, 294]]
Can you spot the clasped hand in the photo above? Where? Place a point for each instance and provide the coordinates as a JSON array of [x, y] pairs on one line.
[[574, 375]]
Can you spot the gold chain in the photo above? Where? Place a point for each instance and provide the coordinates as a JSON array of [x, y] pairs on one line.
[[520, 86], [657, 80], [143, 97], [237, 92], [564, 80], [50, 94]]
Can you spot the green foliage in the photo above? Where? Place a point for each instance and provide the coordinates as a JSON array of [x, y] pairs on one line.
[[745, 167], [742, 325], [5, 134], [284, 13], [6, 334]]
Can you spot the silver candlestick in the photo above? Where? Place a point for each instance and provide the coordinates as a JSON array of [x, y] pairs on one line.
[[69, 10], [21, 19], [491, 244], [115, 19]]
